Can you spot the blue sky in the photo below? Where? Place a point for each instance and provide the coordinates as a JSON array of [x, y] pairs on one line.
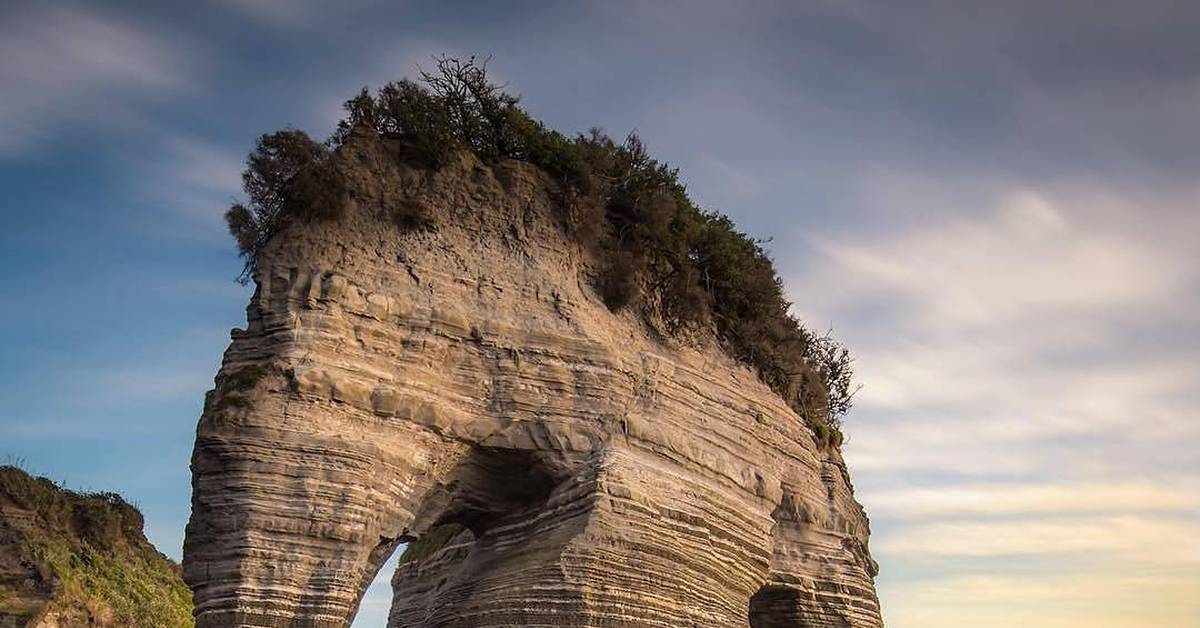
[[992, 204]]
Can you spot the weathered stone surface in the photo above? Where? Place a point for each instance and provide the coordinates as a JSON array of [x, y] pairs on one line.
[[389, 382]]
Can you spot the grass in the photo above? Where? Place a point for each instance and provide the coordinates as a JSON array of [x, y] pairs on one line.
[[92, 545], [130, 589]]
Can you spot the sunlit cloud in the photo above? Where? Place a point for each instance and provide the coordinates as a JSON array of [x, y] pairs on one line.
[[1023, 258], [1009, 499], [1127, 537], [1110, 597], [1012, 328], [1029, 393]]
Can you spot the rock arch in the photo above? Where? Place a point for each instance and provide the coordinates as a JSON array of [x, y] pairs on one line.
[[388, 383]]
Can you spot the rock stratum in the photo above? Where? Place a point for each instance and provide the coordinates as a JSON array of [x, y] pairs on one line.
[[391, 382]]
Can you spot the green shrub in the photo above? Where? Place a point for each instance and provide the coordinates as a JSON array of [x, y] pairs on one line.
[[659, 252], [244, 379], [288, 175], [429, 543]]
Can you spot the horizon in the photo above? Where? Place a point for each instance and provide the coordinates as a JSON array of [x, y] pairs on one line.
[[993, 208]]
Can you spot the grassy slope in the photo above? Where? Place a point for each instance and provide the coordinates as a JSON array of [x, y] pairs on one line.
[[87, 554]]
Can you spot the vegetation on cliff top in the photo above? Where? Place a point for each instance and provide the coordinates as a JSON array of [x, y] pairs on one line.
[[86, 554], [681, 265]]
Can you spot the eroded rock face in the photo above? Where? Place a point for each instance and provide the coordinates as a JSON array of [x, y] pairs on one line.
[[389, 382]]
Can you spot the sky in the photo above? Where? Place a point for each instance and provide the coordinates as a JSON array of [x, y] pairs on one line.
[[993, 204]]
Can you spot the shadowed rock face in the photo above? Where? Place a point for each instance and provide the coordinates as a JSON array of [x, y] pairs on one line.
[[391, 382]]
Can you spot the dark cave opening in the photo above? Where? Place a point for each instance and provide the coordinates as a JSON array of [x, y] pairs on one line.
[[776, 607]]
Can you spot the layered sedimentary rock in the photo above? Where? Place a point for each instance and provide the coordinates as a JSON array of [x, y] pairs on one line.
[[391, 381]]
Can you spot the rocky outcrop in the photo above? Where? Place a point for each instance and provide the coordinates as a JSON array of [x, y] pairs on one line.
[[391, 381], [81, 559]]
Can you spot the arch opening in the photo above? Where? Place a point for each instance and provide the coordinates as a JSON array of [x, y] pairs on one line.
[[421, 574], [376, 602]]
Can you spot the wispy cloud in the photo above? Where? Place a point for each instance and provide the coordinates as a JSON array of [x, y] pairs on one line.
[[1012, 323], [204, 166], [1026, 255], [1008, 499], [64, 65], [193, 178], [286, 14], [118, 391], [1110, 537], [278, 13]]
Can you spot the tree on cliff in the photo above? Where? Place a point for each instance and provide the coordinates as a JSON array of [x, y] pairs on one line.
[[684, 267]]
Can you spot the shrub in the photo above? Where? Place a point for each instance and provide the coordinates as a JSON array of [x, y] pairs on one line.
[[682, 266], [245, 378], [288, 175], [619, 280], [836, 368]]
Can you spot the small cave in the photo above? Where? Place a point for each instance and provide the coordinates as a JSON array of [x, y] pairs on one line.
[[493, 486], [776, 607]]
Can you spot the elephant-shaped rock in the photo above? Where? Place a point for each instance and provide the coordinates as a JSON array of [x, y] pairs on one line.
[[464, 388]]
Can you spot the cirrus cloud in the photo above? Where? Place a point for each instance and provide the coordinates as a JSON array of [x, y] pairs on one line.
[[56, 58]]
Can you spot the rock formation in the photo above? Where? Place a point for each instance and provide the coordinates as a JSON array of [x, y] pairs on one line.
[[391, 382], [72, 559]]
